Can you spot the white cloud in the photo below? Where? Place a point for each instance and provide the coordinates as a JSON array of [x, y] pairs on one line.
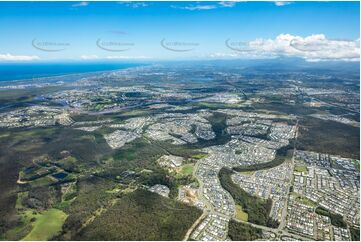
[[282, 3], [195, 7], [199, 6], [113, 57], [89, 57], [80, 4], [134, 4], [312, 48], [9, 57], [224, 55], [228, 4]]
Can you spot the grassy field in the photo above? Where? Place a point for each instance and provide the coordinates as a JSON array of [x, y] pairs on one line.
[[186, 170], [46, 180], [36, 226], [46, 225], [240, 214], [357, 164], [199, 156], [301, 169], [306, 201], [247, 173]]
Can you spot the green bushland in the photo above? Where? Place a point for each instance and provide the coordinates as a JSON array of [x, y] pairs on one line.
[[69, 164], [161, 176], [67, 198], [36, 172], [53, 140], [329, 137], [356, 164], [143, 151], [238, 152], [186, 151], [19, 201], [281, 155], [141, 154], [91, 196], [139, 151], [219, 127], [258, 209], [142, 215], [22, 227], [42, 197], [281, 106], [25, 145], [243, 232], [336, 219], [355, 234], [213, 105], [21, 97]]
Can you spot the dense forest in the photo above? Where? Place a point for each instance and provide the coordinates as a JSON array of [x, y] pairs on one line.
[[355, 234], [336, 219], [329, 137], [243, 232], [141, 215]]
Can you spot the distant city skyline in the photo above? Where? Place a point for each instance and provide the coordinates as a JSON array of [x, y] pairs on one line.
[[64, 31]]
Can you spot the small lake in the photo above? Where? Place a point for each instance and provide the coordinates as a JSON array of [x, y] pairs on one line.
[[60, 175]]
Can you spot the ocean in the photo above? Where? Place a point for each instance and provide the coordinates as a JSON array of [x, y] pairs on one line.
[[23, 71]]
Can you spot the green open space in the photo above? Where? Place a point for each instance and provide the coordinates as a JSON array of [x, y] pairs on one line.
[[248, 173], [200, 156], [186, 170], [306, 201], [47, 225], [240, 214], [301, 169], [43, 181], [35, 225]]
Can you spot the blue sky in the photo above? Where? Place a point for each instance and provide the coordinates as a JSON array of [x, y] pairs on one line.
[[189, 30]]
